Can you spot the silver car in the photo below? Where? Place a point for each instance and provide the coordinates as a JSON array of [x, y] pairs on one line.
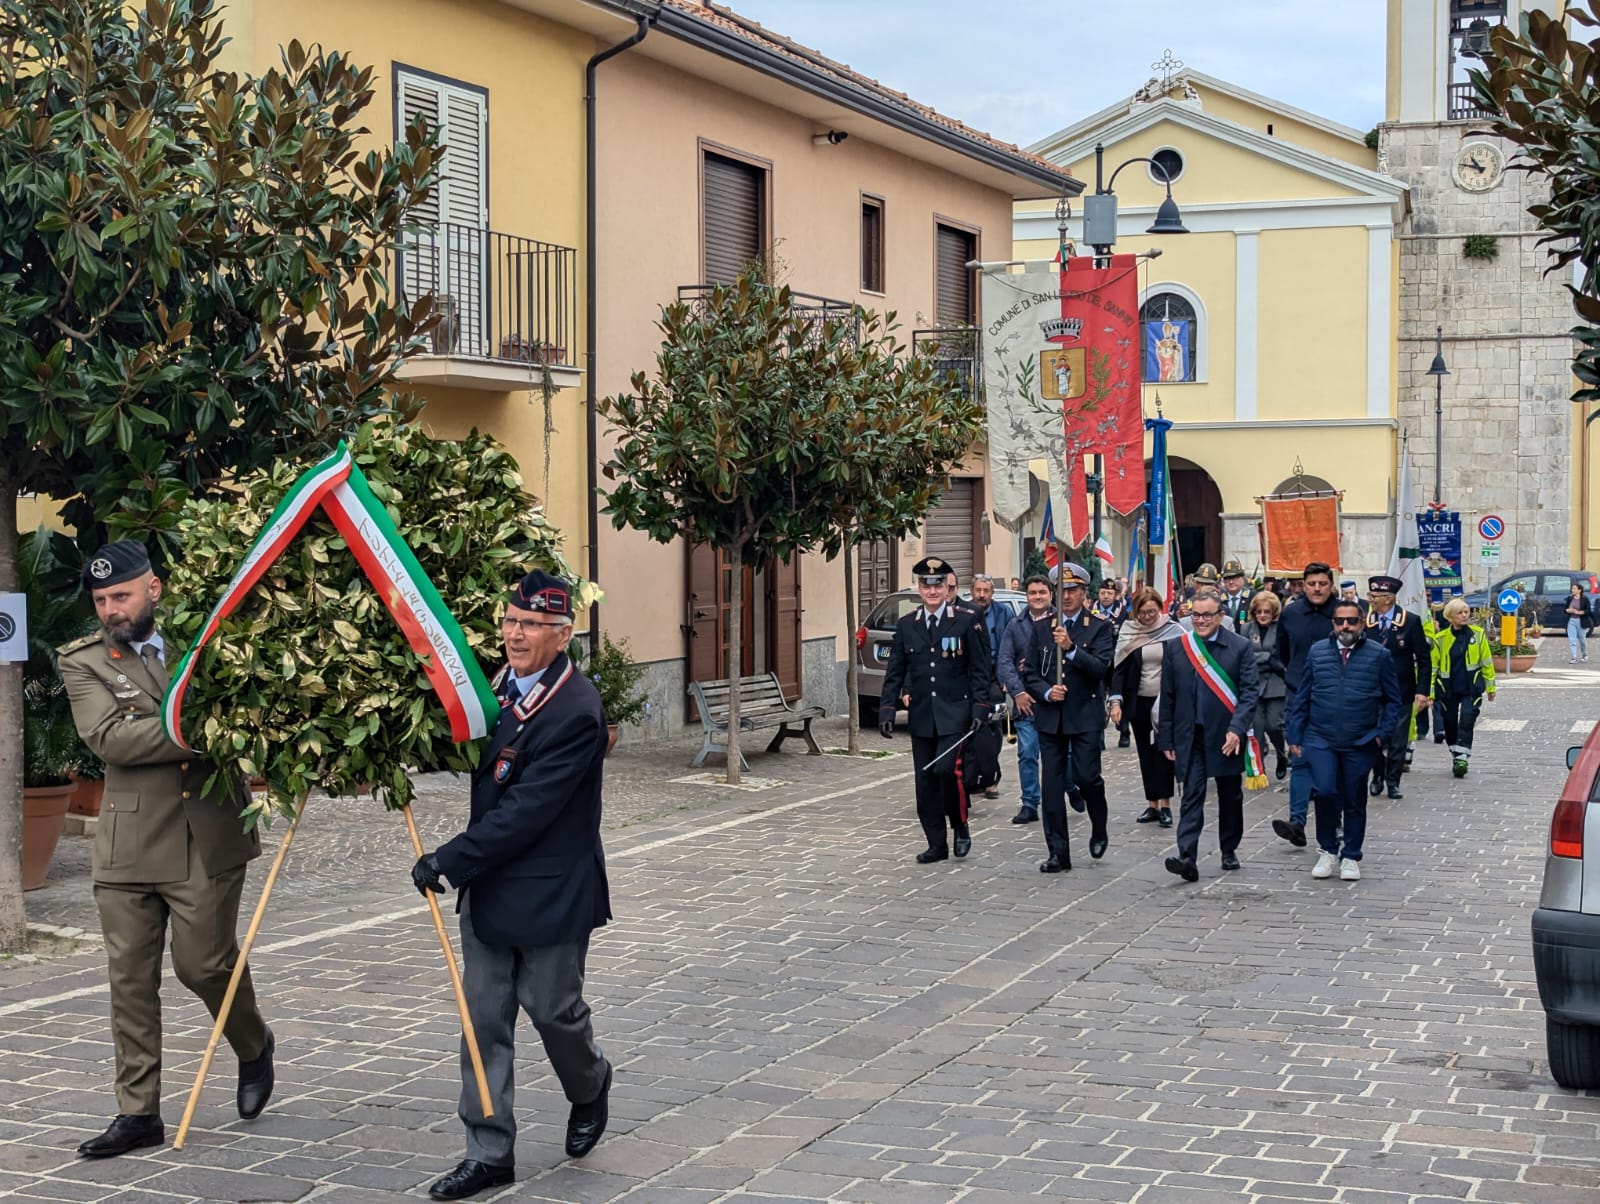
[[1566, 926], [876, 635]]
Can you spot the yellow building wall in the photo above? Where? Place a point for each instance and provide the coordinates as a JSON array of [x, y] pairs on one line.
[[1247, 463], [533, 71], [1312, 324], [1286, 128]]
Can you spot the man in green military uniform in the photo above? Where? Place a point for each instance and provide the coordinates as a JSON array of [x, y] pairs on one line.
[[166, 850]]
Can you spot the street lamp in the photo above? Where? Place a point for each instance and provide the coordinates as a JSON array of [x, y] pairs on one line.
[[1438, 371], [1100, 232]]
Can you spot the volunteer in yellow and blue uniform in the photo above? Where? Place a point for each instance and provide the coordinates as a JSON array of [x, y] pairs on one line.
[[939, 672], [1463, 673]]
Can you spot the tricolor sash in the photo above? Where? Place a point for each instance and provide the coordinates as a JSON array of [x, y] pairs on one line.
[[1215, 678], [338, 486]]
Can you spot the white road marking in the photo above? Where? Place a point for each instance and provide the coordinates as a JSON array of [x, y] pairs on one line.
[[1583, 727], [1502, 725]]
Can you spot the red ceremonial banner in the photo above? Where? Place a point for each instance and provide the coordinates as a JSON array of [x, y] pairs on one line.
[[1299, 530], [1096, 377]]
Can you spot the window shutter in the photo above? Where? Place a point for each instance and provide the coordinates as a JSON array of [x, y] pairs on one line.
[[872, 246], [947, 531], [733, 233], [953, 250], [465, 160]]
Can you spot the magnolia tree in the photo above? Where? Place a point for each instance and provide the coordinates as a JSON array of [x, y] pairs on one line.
[[310, 684], [192, 277], [1543, 88], [770, 429]]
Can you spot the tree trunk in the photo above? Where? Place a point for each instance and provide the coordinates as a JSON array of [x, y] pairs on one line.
[[852, 671], [735, 655], [13, 920]]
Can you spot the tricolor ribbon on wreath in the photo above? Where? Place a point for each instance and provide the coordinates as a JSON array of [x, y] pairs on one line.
[[337, 486]]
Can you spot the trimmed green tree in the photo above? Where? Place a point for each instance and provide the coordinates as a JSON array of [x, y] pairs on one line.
[[1543, 88], [192, 277]]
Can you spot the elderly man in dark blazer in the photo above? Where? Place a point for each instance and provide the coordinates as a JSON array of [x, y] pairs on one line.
[[532, 878], [1209, 690], [1401, 633]]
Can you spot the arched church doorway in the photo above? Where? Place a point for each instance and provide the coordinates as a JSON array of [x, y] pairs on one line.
[[1197, 512]]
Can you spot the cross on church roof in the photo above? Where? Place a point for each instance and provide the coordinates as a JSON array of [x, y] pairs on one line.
[[1168, 68]]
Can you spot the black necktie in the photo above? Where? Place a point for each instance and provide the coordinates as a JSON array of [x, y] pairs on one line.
[[512, 691]]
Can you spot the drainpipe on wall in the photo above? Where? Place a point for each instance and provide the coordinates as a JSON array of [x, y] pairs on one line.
[[592, 424]]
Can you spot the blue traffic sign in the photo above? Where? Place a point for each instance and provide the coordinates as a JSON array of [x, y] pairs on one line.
[[1509, 601], [1491, 527]]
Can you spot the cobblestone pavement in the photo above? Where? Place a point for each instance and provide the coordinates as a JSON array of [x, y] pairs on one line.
[[799, 1012]]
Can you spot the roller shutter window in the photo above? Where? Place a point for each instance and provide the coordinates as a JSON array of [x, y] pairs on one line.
[[872, 244], [948, 531], [956, 302], [735, 208], [446, 255]]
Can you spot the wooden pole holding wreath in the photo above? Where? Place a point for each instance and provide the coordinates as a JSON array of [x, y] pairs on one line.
[[239, 964], [314, 668]]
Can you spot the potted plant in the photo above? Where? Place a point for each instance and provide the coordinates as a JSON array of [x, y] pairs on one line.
[[616, 675], [1524, 653]]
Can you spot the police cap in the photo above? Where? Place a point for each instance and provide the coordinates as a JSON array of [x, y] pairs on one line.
[[931, 570], [1383, 585], [115, 563], [1076, 574], [542, 592]]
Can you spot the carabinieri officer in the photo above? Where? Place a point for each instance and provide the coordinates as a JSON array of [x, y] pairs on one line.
[[939, 671]]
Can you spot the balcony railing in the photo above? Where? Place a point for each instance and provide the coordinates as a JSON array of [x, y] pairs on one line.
[[954, 351], [1464, 104], [508, 305], [816, 309]]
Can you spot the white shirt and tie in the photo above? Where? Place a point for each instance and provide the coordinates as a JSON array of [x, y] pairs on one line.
[[517, 688]]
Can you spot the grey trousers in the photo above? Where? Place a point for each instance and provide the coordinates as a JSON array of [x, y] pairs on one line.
[[547, 983], [203, 914]]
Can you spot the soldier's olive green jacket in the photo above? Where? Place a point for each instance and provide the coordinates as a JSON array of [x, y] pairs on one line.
[[155, 796]]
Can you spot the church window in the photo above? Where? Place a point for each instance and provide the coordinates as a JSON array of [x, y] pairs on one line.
[[1167, 167], [1171, 329]]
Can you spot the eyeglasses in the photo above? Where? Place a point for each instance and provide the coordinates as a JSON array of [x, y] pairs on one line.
[[1356, 622], [521, 625], [1205, 614]]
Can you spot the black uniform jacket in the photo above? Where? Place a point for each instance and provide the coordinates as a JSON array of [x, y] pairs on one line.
[[946, 672], [1182, 693], [1408, 645], [1084, 674], [531, 853]]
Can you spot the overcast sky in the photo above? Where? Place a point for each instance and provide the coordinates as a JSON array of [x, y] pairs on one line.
[[1022, 69]]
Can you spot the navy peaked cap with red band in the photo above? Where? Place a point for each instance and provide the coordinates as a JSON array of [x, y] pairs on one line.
[[540, 591], [116, 563]]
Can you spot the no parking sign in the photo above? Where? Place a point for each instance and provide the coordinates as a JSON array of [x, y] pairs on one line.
[[13, 627]]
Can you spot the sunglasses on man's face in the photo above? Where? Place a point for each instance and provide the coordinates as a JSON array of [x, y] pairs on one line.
[[1348, 622]]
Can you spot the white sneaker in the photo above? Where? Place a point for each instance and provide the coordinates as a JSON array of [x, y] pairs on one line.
[[1349, 871], [1326, 864]]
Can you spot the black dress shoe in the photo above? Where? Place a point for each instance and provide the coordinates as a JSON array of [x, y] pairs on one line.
[[1097, 846], [1230, 861], [1150, 815], [1184, 868], [1166, 817], [963, 842], [126, 1133], [1075, 797], [1283, 769], [1394, 792], [1055, 865], [1295, 834], [588, 1121], [931, 854], [255, 1082], [991, 793], [1026, 815], [1123, 741], [470, 1178], [1376, 788]]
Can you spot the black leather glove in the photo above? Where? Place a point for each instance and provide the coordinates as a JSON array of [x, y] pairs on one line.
[[425, 875], [886, 728]]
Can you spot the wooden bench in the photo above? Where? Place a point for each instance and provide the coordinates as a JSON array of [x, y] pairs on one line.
[[761, 706]]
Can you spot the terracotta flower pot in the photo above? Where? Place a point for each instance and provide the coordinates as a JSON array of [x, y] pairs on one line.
[[1521, 664], [613, 733], [86, 795], [44, 811]]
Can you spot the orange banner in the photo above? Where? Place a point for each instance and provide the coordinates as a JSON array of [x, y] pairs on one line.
[[1299, 530]]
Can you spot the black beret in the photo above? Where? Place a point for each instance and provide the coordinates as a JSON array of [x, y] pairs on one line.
[[541, 591], [116, 563]]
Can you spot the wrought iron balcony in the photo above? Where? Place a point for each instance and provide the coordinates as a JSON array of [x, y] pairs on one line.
[[816, 309], [955, 353], [508, 308]]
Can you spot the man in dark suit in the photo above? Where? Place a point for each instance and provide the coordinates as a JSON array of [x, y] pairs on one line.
[[1065, 672], [939, 671], [1402, 634], [532, 878], [1209, 691]]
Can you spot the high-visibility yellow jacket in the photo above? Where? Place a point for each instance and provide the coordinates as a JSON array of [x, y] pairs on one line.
[[1479, 663]]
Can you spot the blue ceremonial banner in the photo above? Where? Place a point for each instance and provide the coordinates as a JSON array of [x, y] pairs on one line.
[[1166, 351], [1439, 549], [1158, 428]]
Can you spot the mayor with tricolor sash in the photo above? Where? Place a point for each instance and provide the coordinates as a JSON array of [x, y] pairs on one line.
[[1209, 691]]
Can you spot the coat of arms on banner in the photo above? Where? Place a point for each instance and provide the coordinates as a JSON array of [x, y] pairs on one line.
[[1061, 374]]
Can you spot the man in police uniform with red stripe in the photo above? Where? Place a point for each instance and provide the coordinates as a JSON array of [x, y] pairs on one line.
[[939, 672]]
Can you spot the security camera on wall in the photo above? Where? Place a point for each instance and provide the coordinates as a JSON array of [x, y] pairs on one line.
[[831, 138]]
